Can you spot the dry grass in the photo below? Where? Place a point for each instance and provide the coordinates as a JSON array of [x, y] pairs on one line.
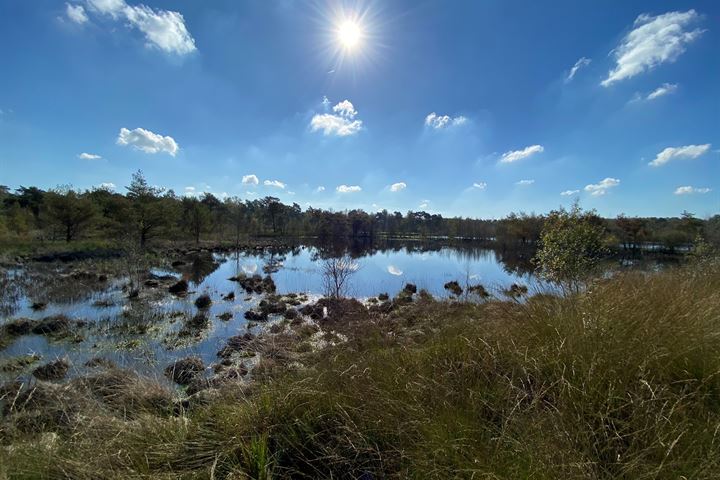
[[618, 382]]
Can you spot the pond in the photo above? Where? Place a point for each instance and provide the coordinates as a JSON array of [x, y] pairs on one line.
[[146, 334], [384, 270]]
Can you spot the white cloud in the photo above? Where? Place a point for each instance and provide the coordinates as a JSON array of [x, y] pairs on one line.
[[686, 152], [480, 185], [345, 109], [664, 89], [601, 188], [274, 183], [107, 186], [341, 123], [189, 189], [250, 179], [320, 189], [147, 141], [396, 187], [687, 190], [439, 122], [567, 193], [393, 270], [348, 188], [514, 156], [525, 183], [76, 13], [89, 156], [108, 7], [163, 29], [335, 125], [653, 41], [582, 62], [425, 204]]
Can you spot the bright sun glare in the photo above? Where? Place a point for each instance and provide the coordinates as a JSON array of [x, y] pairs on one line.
[[349, 34]]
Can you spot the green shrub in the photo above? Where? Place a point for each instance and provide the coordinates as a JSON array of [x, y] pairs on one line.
[[571, 247]]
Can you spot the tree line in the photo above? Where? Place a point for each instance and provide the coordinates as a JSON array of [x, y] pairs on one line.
[[146, 212]]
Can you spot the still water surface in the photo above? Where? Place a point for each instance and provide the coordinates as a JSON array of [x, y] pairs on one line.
[[143, 335]]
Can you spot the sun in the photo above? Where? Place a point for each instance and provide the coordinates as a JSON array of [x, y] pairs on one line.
[[349, 34]]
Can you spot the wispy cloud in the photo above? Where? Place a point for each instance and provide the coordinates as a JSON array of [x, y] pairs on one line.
[[601, 188], [341, 122], [664, 89], [89, 156], [113, 8], [672, 153], [582, 62], [479, 185], [348, 189], [106, 186], [274, 184], [396, 187], [568, 193], [147, 141], [653, 41], [163, 29], [661, 91], [320, 189], [76, 13], [688, 190], [525, 183], [515, 155], [440, 122]]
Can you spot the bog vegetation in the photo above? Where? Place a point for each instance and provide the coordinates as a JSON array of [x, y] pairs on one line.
[[621, 380], [145, 212]]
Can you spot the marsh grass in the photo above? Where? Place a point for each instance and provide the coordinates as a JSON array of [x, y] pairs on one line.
[[621, 381], [25, 246]]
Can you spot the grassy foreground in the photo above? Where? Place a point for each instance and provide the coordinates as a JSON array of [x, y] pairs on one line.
[[622, 381]]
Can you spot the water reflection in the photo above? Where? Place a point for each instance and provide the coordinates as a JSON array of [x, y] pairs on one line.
[[144, 335], [199, 266], [250, 269], [393, 270]]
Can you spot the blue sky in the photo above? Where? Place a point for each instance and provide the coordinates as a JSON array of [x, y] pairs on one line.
[[468, 108]]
